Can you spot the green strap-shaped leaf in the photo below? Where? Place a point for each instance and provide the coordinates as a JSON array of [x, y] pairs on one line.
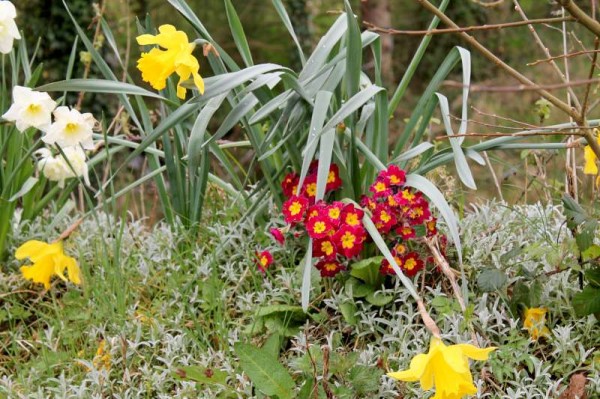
[[99, 86]]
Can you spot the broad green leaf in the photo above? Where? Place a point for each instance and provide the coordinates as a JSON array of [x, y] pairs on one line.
[[266, 373], [357, 288], [288, 25], [349, 310], [203, 375], [592, 276], [378, 299], [587, 301], [490, 280]]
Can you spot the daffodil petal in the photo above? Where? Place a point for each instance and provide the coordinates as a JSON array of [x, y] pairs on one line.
[[417, 367], [474, 352], [590, 167], [40, 272], [454, 357], [35, 250]]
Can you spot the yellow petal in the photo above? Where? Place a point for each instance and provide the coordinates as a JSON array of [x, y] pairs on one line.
[[40, 272], [156, 66], [590, 167], [34, 250], [199, 82], [417, 367], [453, 357], [474, 352]]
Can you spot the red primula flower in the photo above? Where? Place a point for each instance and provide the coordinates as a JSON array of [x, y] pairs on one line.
[[264, 259], [394, 176], [399, 249], [383, 218], [333, 178], [411, 264], [431, 225], [324, 247], [309, 188], [368, 202], [277, 235], [407, 197], [334, 212], [380, 189], [419, 212], [386, 267], [392, 202], [349, 240], [318, 226], [352, 216], [329, 268], [293, 209], [315, 210], [290, 184], [406, 232]]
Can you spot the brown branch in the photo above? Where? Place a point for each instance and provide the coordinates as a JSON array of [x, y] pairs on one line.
[[584, 19], [568, 55], [524, 87], [592, 68], [390, 31]]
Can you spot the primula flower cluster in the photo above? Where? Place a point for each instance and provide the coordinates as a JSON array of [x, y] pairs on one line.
[[400, 214], [71, 131], [335, 228]]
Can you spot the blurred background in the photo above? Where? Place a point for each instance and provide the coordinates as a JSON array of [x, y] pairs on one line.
[[48, 22]]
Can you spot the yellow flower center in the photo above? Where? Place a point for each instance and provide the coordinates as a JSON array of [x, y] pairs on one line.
[[319, 227], [71, 128], [264, 261], [330, 267], [394, 179], [295, 208], [331, 177], [334, 213], [327, 248], [352, 219], [410, 264], [380, 186], [385, 217], [400, 249], [33, 109], [407, 195], [348, 240], [311, 189]]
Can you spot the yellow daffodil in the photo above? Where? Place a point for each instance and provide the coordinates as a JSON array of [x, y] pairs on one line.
[[157, 64], [534, 320], [446, 368], [590, 167], [48, 260]]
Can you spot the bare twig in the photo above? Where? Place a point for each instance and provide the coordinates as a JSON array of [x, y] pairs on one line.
[[592, 68], [568, 55], [523, 87], [545, 50], [390, 31], [566, 108], [581, 16]]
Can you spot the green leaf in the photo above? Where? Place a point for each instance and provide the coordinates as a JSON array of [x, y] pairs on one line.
[[265, 372], [593, 277], [25, 188], [349, 311], [284, 311], [593, 252], [367, 270], [357, 288], [288, 24], [98, 86], [587, 301], [378, 299], [365, 379], [273, 345], [353, 52], [237, 31], [203, 375], [490, 280]]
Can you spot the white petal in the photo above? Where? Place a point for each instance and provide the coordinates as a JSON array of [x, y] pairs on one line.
[[13, 30], [8, 10], [89, 120], [13, 113], [62, 113], [6, 44], [21, 94]]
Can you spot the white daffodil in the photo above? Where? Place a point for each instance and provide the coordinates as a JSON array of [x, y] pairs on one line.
[[8, 28], [71, 129], [30, 108], [59, 168]]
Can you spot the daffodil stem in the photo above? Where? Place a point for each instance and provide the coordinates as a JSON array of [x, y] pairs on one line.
[[427, 320], [447, 270]]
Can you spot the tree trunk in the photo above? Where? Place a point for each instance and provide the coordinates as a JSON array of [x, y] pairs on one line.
[[377, 12]]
